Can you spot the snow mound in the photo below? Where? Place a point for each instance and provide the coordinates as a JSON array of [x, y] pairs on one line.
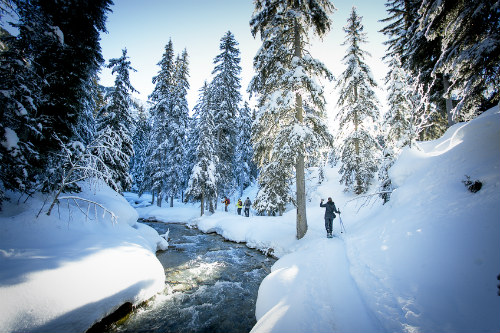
[[64, 272]]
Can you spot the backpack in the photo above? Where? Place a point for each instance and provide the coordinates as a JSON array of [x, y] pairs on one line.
[[228, 201]]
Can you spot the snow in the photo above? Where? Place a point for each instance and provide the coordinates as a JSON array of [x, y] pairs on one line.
[[63, 272], [11, 139], [427, 261]]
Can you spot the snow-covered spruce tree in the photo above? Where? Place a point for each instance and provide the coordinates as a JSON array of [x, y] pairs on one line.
[[176, 128], [162, 101], [399, 125], [203, 180], [469, 57], [225, 98], [86, 126], [243, 150], [192, 140], [21, 88], [275, 180], [358, 113], [57, 51], [285, 77], [67, 64], [114, 125], [140, 140], [418, 56]]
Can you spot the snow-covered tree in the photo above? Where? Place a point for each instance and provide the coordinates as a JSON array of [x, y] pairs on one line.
[[115, 124], [399, 127], [358, 113], [399, 124], [20, 158], [225, 98], [140, 140], [67, 63], [162, 102], [275, 180], [45, 73], [165, 171], [176, 128], [192, 140], [417, 56], [469, 58], [203, 180], [243, 150], [286, 76]]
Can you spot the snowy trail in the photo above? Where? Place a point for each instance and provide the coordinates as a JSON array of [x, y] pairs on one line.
[[313, 280]]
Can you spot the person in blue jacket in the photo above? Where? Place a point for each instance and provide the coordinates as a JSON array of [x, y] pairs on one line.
[[329, 215]]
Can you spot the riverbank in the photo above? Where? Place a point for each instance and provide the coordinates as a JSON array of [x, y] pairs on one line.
[[64, 272], [206, 275]]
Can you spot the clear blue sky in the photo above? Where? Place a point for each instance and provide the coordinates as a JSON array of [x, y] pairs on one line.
[[144, 27]]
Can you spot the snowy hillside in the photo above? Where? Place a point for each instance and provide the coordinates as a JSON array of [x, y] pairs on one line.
[[428, 259], [425, 262]]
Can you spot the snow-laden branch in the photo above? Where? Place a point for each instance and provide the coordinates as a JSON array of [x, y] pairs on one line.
[[90, 202], [82, 163]]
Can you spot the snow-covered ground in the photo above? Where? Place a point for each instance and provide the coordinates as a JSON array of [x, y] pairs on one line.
[[62, 273], [427, 261]]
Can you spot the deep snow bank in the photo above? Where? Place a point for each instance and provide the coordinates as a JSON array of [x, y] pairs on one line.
[[427, 261], [62, 273]]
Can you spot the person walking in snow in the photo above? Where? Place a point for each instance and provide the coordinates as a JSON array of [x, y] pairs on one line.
[[226, 203], [329, 215], [248, 203], [239, 206]]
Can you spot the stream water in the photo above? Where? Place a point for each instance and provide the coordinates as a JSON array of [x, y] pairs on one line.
[[211, 285]]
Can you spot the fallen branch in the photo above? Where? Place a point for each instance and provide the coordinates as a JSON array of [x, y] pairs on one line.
[[367, 198]]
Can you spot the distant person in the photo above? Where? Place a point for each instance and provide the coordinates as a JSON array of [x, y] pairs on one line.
[[248, 203], [239, 206], [226, 203], [329, 215]]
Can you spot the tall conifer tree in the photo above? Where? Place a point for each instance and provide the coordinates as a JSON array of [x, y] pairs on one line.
[[162, 99], [176, 129], [285, 78], [203, 180], [115, 124], [225, 98], [358, 113], [244, 153], [45, 75], [140, 139]]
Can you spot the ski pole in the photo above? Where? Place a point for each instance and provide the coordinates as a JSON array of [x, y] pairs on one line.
[[342, 225]]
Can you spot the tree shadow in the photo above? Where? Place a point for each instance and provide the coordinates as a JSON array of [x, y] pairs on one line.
[[84, 317], [16, 265]]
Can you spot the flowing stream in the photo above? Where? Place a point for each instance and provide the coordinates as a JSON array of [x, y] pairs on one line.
[[211, 285]]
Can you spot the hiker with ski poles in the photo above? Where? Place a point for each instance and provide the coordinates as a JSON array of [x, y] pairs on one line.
[[329, 216]]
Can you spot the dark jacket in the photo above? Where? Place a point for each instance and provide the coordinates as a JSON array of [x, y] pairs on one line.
[[330, 209]]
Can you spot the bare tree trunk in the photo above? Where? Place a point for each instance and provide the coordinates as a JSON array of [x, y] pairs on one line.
[[171, 201], [202, 202], [449, 102], [159, 199], [299, 167], [211, 206]]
